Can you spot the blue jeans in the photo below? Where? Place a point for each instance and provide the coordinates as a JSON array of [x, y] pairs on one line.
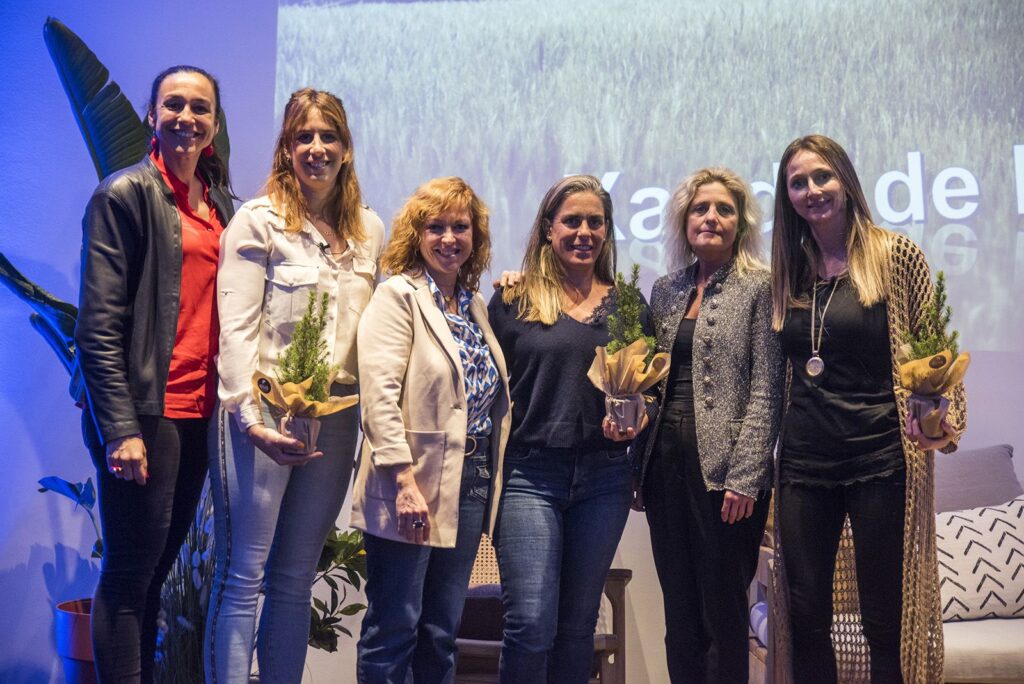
[[415, 594], [561, 516], [271, 522]]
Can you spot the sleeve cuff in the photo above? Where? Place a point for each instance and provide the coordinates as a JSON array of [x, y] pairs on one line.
[[392, 454]]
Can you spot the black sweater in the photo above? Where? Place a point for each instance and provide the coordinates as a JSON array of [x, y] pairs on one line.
[[554, 404]]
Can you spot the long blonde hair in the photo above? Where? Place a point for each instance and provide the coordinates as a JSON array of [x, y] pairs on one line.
[[746, 249], [342, 207], [430, 200], [795, 254], [540, 289]]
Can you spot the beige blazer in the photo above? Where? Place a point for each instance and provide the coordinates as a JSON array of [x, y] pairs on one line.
[[413, 405]]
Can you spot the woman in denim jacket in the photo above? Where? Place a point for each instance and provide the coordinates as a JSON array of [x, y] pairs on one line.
[[274, 503]]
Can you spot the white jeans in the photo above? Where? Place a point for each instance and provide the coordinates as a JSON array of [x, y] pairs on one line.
[[271, 522]]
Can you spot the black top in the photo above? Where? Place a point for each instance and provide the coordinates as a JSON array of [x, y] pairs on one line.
[[841, 426], [554, 404], [679, 389]]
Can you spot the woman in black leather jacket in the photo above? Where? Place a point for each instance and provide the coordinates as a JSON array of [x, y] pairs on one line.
[[146, 340]]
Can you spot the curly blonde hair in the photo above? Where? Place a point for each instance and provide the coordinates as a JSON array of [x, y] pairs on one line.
[[342, 208], [433, 198]]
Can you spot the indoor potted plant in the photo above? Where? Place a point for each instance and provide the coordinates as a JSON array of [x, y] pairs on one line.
[[931, 363], [628, 365], [299, 394]]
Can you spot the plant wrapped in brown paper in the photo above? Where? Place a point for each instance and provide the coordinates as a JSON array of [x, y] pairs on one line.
[[627, 366], [299, 396], [931, 363]]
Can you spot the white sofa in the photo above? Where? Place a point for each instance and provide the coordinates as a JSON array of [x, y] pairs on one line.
[[979, 650]]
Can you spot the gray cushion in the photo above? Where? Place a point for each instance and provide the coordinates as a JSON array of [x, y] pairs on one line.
[[974, 478]]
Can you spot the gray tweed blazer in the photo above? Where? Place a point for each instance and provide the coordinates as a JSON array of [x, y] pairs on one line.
[[737, 374]]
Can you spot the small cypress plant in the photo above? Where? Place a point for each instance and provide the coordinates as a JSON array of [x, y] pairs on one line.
[[625, 327], [931, 336], [306, 355]]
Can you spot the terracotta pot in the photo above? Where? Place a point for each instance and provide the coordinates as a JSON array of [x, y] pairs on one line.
[[625, 411], [74, 640]]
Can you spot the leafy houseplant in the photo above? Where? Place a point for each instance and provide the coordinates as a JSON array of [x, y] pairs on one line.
[[931, 362], [342, 565], [628, 365]]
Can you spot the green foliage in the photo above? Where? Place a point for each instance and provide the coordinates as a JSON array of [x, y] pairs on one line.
[[183, 603], [931, 336], [114, 134], [342, 565], [625, 327], [306, 355], [84, 496]]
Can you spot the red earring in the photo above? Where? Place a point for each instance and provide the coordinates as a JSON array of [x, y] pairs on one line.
[[153, 143], [208, 151]]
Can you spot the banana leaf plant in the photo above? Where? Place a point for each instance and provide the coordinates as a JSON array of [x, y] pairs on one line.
[[115, 137]]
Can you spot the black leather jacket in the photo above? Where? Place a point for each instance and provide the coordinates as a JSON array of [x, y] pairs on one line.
[[128, 302]]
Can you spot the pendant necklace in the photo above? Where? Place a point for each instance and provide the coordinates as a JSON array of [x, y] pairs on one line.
[[816, 365]]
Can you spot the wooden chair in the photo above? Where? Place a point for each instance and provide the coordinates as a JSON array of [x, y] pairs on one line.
[[479, 641]]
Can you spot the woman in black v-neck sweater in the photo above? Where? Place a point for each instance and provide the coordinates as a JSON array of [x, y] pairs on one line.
[[567, 478]]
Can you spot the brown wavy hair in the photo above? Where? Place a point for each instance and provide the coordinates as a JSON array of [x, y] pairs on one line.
[[433, 198], [795, 254], [540, 290], [342, 207]]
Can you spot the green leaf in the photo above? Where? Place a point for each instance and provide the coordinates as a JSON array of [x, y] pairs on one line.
[[114, 134], [352, 609]]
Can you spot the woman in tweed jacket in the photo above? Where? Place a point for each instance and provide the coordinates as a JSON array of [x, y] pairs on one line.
[[852, 465], [706, 472]]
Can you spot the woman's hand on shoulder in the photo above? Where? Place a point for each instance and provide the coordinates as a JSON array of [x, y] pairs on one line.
[[736, 507], [411, 507], [126, 459], [509, 279], [912, 428], [285, 451]]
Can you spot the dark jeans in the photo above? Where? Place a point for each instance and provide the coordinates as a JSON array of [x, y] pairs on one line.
[[143, 529], [810, 524], [562, 514], [415, 594], [704, 565]]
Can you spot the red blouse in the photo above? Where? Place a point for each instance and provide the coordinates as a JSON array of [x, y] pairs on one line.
[[192, 378]]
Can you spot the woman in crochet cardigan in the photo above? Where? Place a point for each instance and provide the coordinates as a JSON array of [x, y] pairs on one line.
[[845, 295]]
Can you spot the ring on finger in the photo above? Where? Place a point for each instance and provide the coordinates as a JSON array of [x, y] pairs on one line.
[[418, 523]]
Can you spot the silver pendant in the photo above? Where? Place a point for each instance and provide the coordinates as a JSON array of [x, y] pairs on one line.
[[815, 366]]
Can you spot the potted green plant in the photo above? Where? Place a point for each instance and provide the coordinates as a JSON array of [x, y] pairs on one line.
[[931, 362], [299, 394], [73, 618], [628, 365]]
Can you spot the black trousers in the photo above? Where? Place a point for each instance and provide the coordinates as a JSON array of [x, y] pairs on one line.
[[810, 524], [143, 529], [704, 565]]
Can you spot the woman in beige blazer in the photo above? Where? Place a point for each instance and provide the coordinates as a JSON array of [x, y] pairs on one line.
[[435, 413]]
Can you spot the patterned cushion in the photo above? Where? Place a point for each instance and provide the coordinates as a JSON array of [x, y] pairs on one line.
[[981, 561]]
